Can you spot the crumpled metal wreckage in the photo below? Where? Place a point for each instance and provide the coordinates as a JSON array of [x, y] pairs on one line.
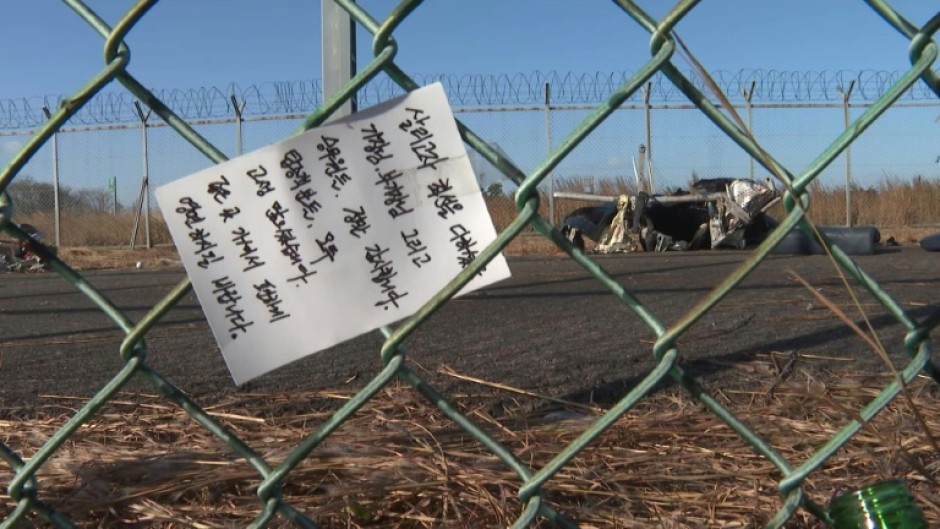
[[716, 213], [18, 256]]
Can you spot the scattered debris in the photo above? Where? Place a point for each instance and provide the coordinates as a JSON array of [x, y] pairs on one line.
[[716, 213], [19, 256]]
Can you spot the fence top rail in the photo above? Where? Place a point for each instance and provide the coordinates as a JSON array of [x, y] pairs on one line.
[[156, 122], [468, 90], [664, 199]]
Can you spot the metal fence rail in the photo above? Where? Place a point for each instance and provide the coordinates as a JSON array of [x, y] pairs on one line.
[[483, 90], [92, 175], [23, 488]]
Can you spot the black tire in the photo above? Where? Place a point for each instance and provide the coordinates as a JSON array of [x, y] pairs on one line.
[[578, 241]]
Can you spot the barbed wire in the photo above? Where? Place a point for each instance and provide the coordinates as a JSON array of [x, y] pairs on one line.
[[466, 91]]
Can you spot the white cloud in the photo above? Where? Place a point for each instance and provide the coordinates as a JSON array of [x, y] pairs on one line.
[[615, 162]]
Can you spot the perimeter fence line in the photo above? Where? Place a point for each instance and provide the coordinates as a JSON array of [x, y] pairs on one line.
[[114, 188], [481, 90], [28, 501]]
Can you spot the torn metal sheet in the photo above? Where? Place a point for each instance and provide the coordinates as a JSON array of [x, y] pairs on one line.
[[715, 213]]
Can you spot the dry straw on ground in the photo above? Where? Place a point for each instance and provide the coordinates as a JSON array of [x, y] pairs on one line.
[[399, 463], [668, 463]]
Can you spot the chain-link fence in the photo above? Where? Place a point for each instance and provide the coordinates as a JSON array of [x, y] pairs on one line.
[[92, 175], [583, 155]]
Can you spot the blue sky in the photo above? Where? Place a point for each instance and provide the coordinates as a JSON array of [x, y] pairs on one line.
[[47, 50]]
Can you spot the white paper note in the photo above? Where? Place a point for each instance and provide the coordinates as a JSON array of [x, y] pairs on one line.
[[322, 237]]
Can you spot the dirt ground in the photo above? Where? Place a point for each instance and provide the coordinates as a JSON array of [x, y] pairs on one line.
[[550, 330]]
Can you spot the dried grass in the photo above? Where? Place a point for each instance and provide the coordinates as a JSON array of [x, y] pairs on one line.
[[88, 258], [98, 229], [400, 463], [904, 210]]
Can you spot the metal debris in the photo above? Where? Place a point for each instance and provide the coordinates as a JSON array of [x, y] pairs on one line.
[[716, 213]]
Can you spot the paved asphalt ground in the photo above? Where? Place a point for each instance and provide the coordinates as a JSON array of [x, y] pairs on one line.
[[550, 329]]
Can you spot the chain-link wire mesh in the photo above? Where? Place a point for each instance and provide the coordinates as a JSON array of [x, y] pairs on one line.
[[100, 170], [528, 178]]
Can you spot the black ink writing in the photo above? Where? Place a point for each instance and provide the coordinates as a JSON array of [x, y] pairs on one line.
[[219, 190], [242, 238], [305, 195], [464, 243], [276, 214], [335, 165], [308, 203], [327, 248], [264, 185], [204, 248], [228, 214], [444, 200], [285, 237], [227, 296], [416, 122], [293, 163], [289, 246], [357, 221], [375, 144], [383, 271], [417, 250], [395, 197], [421, 145], [189, 208], [266, 292]]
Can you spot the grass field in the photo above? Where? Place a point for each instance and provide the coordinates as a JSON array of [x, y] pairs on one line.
[[663, 464], [906, 210]]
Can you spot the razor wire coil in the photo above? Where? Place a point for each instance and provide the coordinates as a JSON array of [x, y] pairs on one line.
[[466, 90]]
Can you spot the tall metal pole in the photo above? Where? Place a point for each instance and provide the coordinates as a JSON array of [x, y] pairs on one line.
[[55, 181], [338, 52], [848, 157], [238, 124], [146, 177], [143, 202], [748, 94], [548, 150], [649, 136]]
